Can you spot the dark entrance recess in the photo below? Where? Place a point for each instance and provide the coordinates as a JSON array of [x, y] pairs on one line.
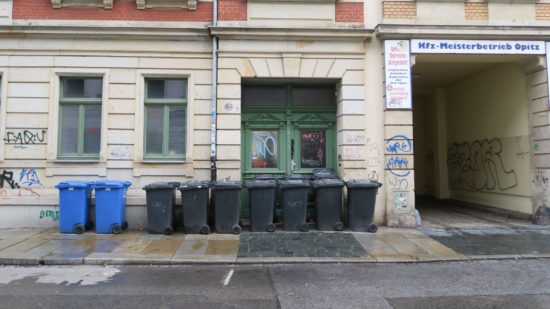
[[288, 127]]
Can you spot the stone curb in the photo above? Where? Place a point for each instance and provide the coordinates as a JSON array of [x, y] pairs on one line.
[[51, 260]]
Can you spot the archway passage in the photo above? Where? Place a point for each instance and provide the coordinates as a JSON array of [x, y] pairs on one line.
[[471, 135]]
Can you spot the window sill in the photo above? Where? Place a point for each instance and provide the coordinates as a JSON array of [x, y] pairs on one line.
[[91, 161], [106, 4], [153, 161]]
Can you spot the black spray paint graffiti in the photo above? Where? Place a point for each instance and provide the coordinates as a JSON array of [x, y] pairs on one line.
[[8, 178], [25, 137], [479, 166]]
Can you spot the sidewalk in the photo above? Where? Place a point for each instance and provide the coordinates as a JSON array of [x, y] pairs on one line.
[[38, 246]]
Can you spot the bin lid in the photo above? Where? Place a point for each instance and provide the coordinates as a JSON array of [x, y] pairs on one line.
[[193, 185], [174, 184], [265, 177], [260, 183], [226, 184], [160, 186], [327, 183], [297, 176], [323, 173], [294, 183], [73, 184], [102, 184], [363, 183]]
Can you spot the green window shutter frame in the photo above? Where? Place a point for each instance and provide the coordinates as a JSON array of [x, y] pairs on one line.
[[80, 102], [166, 104]]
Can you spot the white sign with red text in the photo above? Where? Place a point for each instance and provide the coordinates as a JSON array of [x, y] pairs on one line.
[[398, 74]]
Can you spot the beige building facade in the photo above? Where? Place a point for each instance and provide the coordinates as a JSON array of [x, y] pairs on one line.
[[477, 132]]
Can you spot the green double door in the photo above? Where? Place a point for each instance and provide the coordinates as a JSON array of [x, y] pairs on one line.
[[288, 127], [286, 142]]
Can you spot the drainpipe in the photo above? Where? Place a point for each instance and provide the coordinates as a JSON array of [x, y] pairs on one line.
[[213, 104]]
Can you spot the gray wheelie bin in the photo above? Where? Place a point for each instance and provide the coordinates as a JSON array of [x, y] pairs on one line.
[[226, 198], [194, 200], [161, 202], [324, 173], [329, 204], [261, 198], [294, 194], [361, 203]]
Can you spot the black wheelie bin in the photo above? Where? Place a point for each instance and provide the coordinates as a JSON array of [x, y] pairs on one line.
[[261, 199], [226, 198], [161, 201], [194, 200], [361, 203], [329, 204], [294, 193]]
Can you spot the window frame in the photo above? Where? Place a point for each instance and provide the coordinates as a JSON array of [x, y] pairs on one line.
[[166, 104], [81, 103]]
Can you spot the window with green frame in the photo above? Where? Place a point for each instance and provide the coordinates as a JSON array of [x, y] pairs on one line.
[[165, 118], [80, 118]]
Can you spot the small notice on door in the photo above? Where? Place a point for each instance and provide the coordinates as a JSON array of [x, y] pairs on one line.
[[398, 74], [313, 149]]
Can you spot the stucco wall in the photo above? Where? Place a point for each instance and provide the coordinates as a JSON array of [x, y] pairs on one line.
[[30, 70], [487, 139]]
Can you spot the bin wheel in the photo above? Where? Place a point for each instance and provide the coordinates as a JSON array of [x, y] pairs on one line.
[[116, 229], [168, 231], [236, 229], [79, 229], [89, 225], [304, 227], [270, 227], [205, 229], [339, 226], [372, 228], [125, 225]]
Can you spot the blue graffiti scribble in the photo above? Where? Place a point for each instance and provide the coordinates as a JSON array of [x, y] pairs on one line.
[[399, 143], [29, 177], [262, 145], [398, 162]]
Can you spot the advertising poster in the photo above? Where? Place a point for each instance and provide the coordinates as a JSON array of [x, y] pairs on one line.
[[398, 74]]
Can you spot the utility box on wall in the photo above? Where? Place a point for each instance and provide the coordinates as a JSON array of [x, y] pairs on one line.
[[401, 202]]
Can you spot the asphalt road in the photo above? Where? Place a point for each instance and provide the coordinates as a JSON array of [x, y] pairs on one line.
[[477, 284]]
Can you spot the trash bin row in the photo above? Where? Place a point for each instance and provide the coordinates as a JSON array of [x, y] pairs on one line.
[[75, 199], [222, 211]]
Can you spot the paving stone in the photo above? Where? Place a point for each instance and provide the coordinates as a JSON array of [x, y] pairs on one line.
[[167, 246], [222, 247], [20, 233], [494, 242], [292, 244], [6, 243], [132, 246], [192, 247]]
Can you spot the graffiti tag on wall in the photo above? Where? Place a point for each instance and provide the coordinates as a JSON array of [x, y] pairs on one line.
[[49, 214], [478, 165], [25, 137], [10, 188], [398, 146]]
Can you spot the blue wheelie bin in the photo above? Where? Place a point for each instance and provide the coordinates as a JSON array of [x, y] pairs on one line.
[[75, 197], [110, 206]]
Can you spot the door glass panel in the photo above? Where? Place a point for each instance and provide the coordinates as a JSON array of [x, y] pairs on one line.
[[264, 149], [313, 149]]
